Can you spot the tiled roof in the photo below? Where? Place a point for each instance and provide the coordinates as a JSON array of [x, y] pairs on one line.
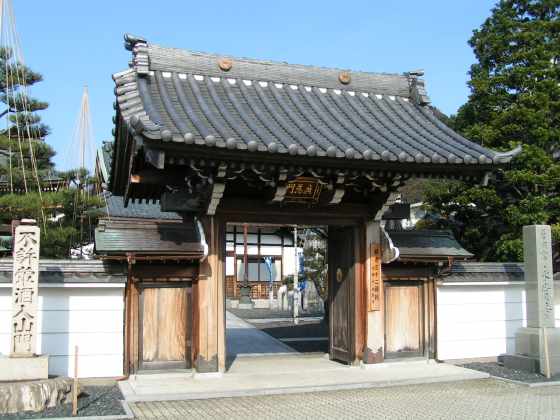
[[462, 271], [148, 237], [70, 271], [427, 244], [116, 209], [187, 98]]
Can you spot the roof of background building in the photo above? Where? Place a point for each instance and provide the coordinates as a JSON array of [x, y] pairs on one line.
[[201, 99], [70, 271], [462, 272], [427, 244]]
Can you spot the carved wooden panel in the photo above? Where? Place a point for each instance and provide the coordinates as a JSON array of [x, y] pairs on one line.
[[303, 189]]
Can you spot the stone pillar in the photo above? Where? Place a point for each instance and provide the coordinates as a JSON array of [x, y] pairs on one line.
[[25, 289], [23, 363], [531, 345]]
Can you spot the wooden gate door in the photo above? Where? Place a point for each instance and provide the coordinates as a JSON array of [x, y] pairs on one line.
[[166, 325], [404, 319], [341, 293]]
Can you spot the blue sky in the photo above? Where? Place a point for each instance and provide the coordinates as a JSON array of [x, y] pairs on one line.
[[74, 43]]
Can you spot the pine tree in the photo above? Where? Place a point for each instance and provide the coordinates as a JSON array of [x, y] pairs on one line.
[[22, 139], [14, 79], [66, 216], [514, 99]]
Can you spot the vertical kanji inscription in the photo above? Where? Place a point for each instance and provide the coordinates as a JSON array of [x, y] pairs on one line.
[[25, 285]]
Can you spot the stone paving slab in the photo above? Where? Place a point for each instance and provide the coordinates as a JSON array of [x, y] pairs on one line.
[[288, 375], [469, 400], [243, 338]]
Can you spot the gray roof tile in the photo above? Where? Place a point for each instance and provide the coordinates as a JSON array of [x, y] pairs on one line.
[[260, 106], [427, 244]]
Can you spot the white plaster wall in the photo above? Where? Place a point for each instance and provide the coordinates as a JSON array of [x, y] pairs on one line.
[[481, 320], [89, 317], [287, 258]]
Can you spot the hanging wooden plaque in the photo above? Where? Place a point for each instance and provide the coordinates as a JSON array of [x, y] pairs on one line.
[[303, 189], [374, 297]]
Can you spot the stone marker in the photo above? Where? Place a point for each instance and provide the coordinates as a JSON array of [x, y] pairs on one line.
[[25, 290], [23, 363], [539, 288]]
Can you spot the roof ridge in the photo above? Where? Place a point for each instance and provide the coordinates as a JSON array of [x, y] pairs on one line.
[[149, 57], [276, 62]]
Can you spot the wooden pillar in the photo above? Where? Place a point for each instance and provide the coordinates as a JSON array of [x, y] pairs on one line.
[[375, 342], [210, 351]]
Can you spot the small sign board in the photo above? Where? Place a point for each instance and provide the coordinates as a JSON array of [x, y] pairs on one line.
[[374, 295], [303, 189]]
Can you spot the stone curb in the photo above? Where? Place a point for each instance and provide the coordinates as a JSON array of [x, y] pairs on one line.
[[303, 389], [527, 384], [128, 415]]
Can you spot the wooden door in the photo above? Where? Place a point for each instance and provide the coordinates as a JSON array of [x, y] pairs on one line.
[[165, 327], [404, 319], [341, 293]]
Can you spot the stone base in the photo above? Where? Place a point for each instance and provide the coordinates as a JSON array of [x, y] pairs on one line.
[[17, 397], [520, 362], [246, 305], [24, 368], [529, 342]]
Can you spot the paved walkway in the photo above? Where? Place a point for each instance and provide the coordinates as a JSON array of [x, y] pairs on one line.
[[480, 399], [243, 339]]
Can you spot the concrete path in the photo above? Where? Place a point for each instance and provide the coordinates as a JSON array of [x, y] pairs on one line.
[[243, 339], [249, 376]]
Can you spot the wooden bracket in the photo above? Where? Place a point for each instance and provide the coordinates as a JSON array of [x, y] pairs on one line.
[[338, 189], [281, 186], [155, 157], [217, 189]]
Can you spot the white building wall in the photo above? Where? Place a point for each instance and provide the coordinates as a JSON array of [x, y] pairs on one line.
[[87, 315], [287, 254], [480, 320]]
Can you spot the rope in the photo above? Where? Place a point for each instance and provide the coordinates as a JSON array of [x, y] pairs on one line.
[[20, 77]]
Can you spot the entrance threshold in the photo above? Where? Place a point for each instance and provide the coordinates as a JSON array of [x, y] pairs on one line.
[[289, 375]]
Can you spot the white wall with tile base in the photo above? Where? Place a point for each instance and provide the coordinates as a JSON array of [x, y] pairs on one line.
[[480, 320], [88, 315]]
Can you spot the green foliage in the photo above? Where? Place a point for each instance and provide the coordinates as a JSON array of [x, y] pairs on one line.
[[515, 99], [62, 211], [66, 217], [315, 259], [14, 78]]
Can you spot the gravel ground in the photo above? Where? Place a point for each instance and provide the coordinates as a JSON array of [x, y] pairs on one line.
[[94, 401], [496, 369]]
